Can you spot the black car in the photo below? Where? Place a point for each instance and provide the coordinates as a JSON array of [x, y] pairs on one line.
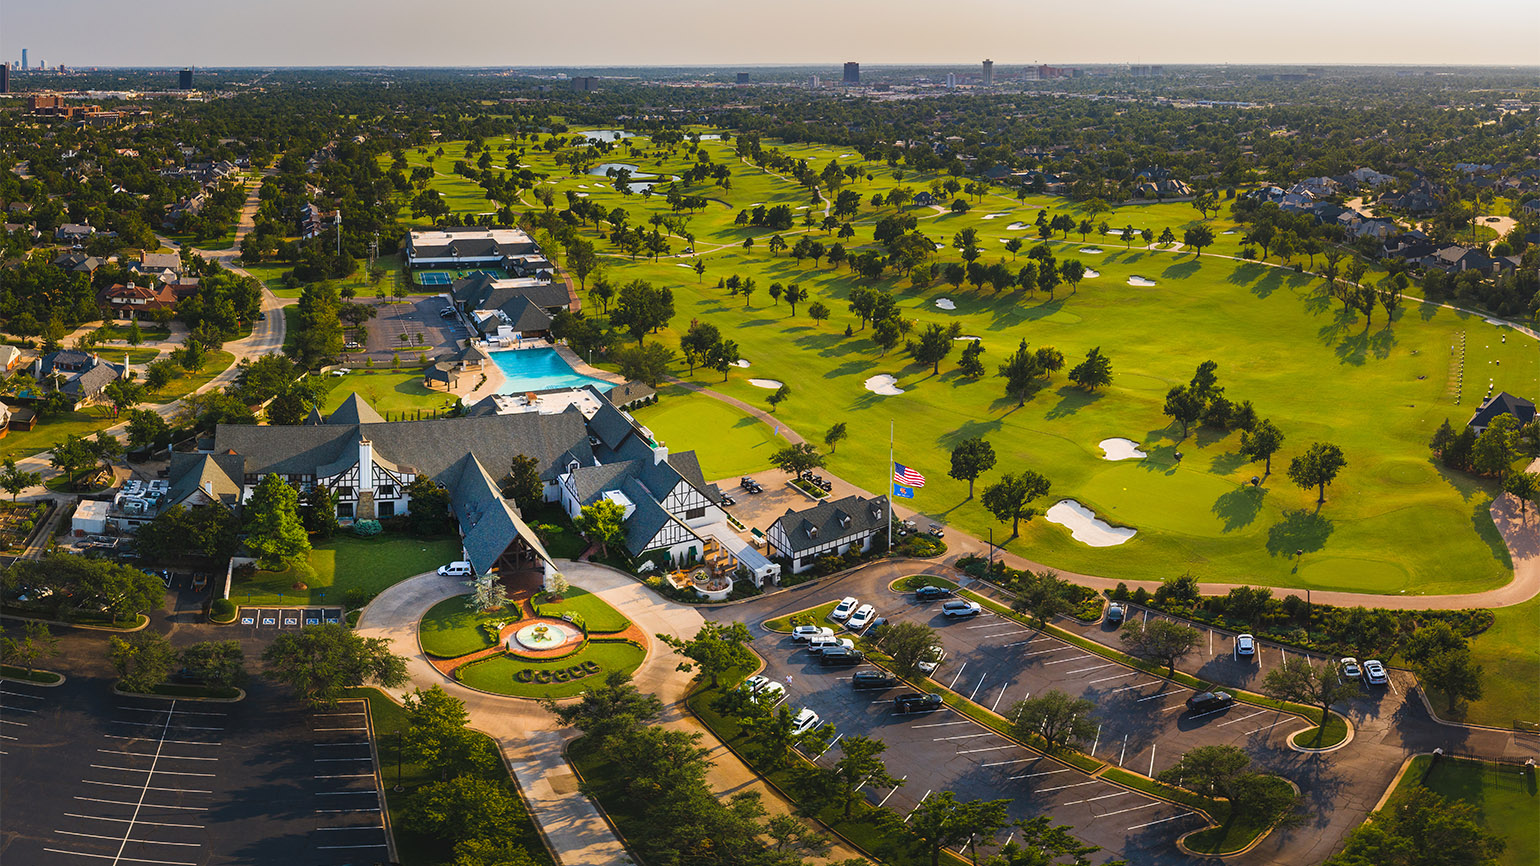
[[841, 657], [1205, 702], [931, 593], [914, 702], [872, 680]]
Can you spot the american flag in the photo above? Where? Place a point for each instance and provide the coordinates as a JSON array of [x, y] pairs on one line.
[[908, 477]]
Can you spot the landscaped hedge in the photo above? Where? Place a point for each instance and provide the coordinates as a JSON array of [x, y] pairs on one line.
[[1086, 604]]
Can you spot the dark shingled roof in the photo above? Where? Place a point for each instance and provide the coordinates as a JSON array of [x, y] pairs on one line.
[[1502, 403], [523, 315], [487, 522], [354, 411], [825, 517], [211, 473], [610, 426], [630, 392]]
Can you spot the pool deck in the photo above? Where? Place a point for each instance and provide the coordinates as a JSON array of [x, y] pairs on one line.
[[496, 379]]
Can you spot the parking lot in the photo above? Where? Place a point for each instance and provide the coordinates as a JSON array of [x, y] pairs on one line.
[[416, 317], [287, 617], [93, 776]]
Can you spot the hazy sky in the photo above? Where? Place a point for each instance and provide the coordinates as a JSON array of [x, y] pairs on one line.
[[727, 33]]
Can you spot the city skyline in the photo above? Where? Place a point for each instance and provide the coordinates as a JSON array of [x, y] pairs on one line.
[[159, 33]]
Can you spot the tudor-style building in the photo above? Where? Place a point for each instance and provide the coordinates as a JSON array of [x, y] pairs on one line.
[[800, 537]]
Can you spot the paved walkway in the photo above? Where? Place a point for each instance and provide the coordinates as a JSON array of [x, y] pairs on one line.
[[532, 741]]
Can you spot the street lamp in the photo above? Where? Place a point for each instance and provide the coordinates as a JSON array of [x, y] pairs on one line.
[[397, 789]]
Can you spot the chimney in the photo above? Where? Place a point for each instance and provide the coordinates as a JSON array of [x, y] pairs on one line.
[[365, 464], [659, 453]]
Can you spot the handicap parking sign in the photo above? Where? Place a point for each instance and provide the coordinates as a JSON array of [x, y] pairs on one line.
[[267, 620], [312, 621], [246, 620], [289, 620], [332, 620]]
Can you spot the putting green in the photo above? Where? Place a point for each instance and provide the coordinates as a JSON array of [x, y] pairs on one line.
[[1385, 576], [1150, 496]]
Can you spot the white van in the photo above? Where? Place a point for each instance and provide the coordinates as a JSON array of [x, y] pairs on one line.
[[456, 569]]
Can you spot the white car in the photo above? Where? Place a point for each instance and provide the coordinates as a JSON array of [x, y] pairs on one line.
[[1350, 669], [806, 721], [1245, 645], [861, 618], [456, 569], [755, 683], [808, 632], [933, 659], [819, 644], [843, 610], [960, 607], [771, 693], [1375, 673]]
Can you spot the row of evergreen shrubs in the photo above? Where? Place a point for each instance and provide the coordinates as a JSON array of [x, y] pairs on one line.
[[1085, 603]]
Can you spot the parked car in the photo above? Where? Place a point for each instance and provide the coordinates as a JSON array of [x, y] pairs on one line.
[[460, 568], [959, 607], [840, 656], [756, 682], [808, 632], [821, 643], [931, 593], [861, 618], [1245, 645], [932, 660], [1114, 613], [447, 313], [771, 693], [806, 721], [936, 531], [844, 609], [914, 702], [872, 680], [1350, 669], [1207, 702], [1374, 672]]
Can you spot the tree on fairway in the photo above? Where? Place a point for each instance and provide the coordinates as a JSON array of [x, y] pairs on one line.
[[1021, 372], [1524, 486], [1056, 717], [908, 644], [715, 649], [934, 344], [1184, 405], [700, 269], [1094, 372], [1198, 237], [321, 662], [220, 663], [860, 767], [795, 293], [602, 523], [835, 435], [143, 661], [14, 480], [274, 531], [818, 311], [1043, 595], [1494, 450], [1299, 680], [970, 459], [1261, 443], [698, 342], [969, 364], [942, 822], [1451, 672], [1317, 467], [778, 396], [1166, 237], [1011, 498], [797, 458], [1073, 271], [642, 309], [1162, 640]]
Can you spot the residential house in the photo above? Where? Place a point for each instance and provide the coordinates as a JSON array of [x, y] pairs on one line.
[[78, 263], [73, 233], [483, 292], [1370, 177], [131, 301], [1502, 403], [161, 267], [923, 198], [1458, 259], [10, 357], [852, 523], [1320, 187], [81, 376]]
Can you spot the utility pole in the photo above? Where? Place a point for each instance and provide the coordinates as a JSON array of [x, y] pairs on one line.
[[339, 231]]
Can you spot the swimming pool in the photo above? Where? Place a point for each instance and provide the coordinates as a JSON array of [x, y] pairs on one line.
[[539, 370]]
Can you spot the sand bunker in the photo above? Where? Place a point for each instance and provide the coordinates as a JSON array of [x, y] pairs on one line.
[[1228, 232], [1090, 273], [1118, 232], [1091, 251], [1119, 448], [968, 338], [994, 216], [1084, 526], [1137, 280], [946, 304], [741, 362], [768, 384], [1016, 227], [883, 384], [582, 195]]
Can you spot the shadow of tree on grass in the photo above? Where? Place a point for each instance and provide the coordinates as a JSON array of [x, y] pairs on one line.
[[1299, 530]]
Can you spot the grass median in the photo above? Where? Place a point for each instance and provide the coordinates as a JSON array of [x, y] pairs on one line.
[[815, 615]]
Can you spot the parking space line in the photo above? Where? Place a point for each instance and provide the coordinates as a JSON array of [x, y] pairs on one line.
[[135, 841], [820, 754], [173, 742], [892, 791], [320, 730], [9, 722], [943, 724], [121, 859], [1044, 773], [1016, 761], [354, 827], [1263, 728], [1098, 739], [327, 760], [959, 674], [1151, 774], [1070, 659], [146, 805], [977, 687], [1153, 697], [1132, 809], [1025, 642], [1102, 797], [128, 820], [148, 755], [963, 737], [370, 792], [147, 788], [146, 770], [998, 698], [1126, 688], [1088, 670], [348, 776], [1047, 651], [989, 749], [1066, 787], [16, 709], [1116, 677], [21, 695], [1242, 718], [1161, 821], [342, 847], [917, 806], [354, 743]]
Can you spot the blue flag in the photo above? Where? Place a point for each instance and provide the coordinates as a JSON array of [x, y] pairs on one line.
[[902, 492]]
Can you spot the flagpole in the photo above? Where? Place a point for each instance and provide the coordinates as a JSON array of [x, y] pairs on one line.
[[890, 485]]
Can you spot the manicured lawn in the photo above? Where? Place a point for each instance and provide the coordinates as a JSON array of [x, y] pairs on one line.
[[150, 333], [388, 391], [599, 616], [24, 443], [450, 628], [179, 388], [1508, 653], [496, 673], [271, 274], [1504, 796], [1317, 738], [415, 849], [344, 563], [819, 616], [727, 442], [915, 581]]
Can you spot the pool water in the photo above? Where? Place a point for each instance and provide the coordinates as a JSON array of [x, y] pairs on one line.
[[539, 370]]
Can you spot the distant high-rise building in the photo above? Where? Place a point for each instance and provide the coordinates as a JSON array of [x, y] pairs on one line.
[[184, 80], [23, 58], [989, 73], [5, 78], [951, 80], [743, 78], [585, 82], [816, 82], [852, 73]]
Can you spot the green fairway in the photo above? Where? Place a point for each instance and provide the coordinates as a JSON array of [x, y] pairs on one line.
[[345, 563], [728, 442], [450, 628], [1393, 521], [497, 674], [1503, 795], [597, 615], [392, 391]]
